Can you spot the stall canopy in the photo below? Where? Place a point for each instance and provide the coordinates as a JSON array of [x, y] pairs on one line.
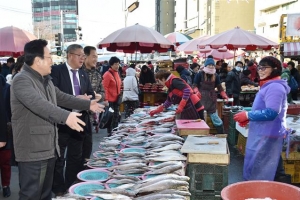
[[291, 49]]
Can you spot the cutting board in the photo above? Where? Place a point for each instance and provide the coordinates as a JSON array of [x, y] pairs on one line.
[[191, 145], [192, 128], [210, 154]]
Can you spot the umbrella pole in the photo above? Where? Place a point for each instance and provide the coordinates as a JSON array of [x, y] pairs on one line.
[[135, 51]]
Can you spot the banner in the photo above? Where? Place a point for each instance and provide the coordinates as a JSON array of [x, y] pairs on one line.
[[293, 25]]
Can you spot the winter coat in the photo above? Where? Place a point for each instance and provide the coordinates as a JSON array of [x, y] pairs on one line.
[[3, 119], [296, 75], [6, 102], [245, 80], [35, 113], [186, 75], [130, 92], [267, 128], [112, 85], [147, 77], [193, 74], [233, 83]]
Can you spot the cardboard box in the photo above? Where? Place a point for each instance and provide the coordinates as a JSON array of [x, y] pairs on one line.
[[192, 128]]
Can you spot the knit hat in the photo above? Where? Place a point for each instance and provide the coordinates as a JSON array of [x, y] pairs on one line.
[[209, 61]]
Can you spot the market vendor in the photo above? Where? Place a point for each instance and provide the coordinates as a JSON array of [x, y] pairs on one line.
[[189, 105], [206, 81], [267, 121]]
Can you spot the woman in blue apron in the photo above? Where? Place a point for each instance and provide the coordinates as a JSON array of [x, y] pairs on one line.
[[266, 122], [206, 81]]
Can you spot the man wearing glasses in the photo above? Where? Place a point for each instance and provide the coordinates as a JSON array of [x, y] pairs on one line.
[[72, 79]]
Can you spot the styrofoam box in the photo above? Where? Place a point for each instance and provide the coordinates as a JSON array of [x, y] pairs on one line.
[[242, 130]]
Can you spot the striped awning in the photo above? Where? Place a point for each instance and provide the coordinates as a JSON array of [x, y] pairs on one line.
[[291, 49]]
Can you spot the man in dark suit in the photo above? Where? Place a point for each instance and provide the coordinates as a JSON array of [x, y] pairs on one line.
[[72, 79]]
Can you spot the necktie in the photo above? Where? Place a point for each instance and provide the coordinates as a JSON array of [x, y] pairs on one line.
[[75, 82]]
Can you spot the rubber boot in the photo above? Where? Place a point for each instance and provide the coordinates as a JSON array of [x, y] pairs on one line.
[[220, 129]]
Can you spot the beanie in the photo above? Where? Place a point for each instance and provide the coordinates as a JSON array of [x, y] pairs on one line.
[[209, 61]]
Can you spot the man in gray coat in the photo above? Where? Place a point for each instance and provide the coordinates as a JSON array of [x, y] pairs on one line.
[[35, 114]]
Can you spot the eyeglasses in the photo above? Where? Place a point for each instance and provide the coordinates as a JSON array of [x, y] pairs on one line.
[[262, 68], [79, 56]]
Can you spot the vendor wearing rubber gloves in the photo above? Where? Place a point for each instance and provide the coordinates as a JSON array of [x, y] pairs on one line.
[[206, 81], [189, 105], [266, 123]]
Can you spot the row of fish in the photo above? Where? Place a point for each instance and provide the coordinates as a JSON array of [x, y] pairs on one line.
[[144, 160]]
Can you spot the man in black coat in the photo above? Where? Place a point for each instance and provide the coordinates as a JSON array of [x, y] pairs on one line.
[[72, 79], [233, 83]]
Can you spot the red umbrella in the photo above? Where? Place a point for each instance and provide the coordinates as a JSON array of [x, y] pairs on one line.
[[238, 38], [136, 38], [192, 45], [13, 40]]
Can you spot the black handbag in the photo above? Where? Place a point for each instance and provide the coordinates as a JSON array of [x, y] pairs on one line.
[[119, 99], [106, 118]]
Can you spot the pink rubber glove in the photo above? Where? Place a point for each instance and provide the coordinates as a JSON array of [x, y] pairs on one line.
[[181, 106], [244, 124], [159, 109], [224, 96], [241, 117]]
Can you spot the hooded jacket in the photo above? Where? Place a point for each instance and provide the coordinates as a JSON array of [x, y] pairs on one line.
[[130, 92], [186, 75], [267, 128]]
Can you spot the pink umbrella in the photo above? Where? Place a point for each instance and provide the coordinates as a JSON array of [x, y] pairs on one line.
[[238, 38], [221, 53], [192, 45], [13, 40], [178, 38], [136, 38]]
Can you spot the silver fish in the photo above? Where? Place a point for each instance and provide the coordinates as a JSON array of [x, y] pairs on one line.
[[164, 164], [129, 166], [131, 161], [122, 181], [168, 147], [162, 144], [173, 191], [164, 177], [162, 185], [119, 176], [131, 154], [168, 138], [116, 191], [167, 169], [167, 158], [111, 196], [162, 130], [126, 186], [130, 171], [161, 196]]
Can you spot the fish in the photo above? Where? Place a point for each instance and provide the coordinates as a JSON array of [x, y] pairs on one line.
[[111, 196], [167, 158], [131, 161], [173, 191], [160, 196], [168, 147], [121, 181], [126, 186], [168, 138], [129, 166], [161, 177], [130, 154], [166, 169], [70, 197], [119, 176], [164, 164], [162, 144], [162, 185], [164, 153], [116, 191], [161, 130], [131, 171]]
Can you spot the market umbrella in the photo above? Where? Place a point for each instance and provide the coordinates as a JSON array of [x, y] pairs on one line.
[[221, 53], [178, 38], [13, 40], [193, 45], [238, 38], [136, 38]]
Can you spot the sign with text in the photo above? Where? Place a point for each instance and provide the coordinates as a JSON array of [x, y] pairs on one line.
[[293, 25]]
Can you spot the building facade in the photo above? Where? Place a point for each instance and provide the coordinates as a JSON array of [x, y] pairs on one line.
[[268, 15], [55, 16], [164, 16]]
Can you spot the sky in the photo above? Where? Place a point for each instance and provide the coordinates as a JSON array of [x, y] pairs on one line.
[[98, 18]]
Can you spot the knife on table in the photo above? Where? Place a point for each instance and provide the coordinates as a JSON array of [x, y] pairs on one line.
[[197, 120]]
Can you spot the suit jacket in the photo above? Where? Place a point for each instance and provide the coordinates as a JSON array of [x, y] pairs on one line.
[[61, 79]]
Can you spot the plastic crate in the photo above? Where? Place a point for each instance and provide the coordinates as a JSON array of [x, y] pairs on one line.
[[205, 196], [231, 121], [292, 167], [207, 178], [241, 144], [293, 109], [232, 136]]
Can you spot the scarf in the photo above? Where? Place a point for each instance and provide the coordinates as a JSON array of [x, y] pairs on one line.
[[209, 71], [262, 82]]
